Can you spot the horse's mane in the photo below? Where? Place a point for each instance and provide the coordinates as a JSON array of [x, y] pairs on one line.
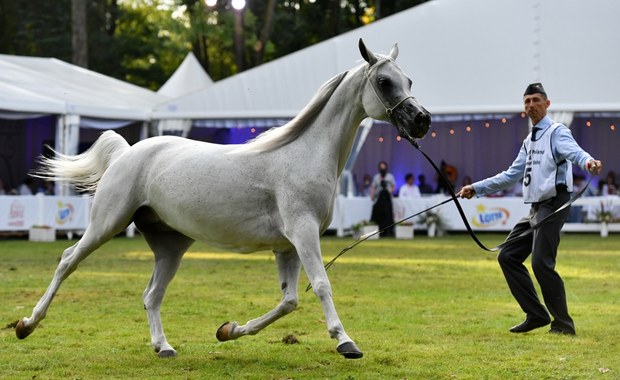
[[280, 136]]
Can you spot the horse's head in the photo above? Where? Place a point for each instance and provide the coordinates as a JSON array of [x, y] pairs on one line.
[[387, 95]]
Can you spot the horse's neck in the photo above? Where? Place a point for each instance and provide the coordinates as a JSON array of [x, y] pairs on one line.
[[333, 131]]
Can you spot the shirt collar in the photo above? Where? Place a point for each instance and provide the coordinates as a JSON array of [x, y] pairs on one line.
[[544, 123]]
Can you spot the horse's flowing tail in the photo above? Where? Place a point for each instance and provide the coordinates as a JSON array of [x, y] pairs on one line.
[[84, 170]]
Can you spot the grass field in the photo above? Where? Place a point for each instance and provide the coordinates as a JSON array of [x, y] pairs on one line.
[[420, 309]]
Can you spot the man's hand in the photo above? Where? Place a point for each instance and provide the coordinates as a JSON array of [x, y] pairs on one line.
[[466, 192], [594, 166]]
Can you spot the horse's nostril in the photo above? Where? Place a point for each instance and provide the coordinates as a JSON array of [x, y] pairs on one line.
[[421, 119]]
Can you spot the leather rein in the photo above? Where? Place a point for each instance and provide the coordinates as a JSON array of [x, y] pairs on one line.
[[454, 198]]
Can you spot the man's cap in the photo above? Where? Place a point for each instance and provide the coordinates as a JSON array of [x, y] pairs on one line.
[[535, 88]]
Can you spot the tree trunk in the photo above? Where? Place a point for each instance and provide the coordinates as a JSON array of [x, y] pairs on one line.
[[79, 36], [265, 32], [239, 41]]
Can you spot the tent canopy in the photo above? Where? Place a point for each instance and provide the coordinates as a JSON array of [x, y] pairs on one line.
[[188, 77], [49, 85], [463, 56]]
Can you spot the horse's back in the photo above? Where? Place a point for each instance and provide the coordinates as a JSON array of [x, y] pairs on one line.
[[198, 189]]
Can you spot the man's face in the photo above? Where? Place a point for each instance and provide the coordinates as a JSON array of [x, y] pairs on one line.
[[535, 106]]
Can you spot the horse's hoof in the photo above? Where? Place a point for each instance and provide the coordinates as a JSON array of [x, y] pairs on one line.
[[22, 331], [223, 332], [349, 350], [167, 353]]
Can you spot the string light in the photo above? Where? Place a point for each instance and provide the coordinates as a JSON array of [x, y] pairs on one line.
[[468, 128], [504, 120], [522, 115], [433, 134], [487, 125], [612, 127], [398, 138], [380, 139], [452, 131], [253, 130], [588, 123]]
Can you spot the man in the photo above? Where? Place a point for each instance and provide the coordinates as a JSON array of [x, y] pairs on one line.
[[424, 187], [544, 163], [409, 189]]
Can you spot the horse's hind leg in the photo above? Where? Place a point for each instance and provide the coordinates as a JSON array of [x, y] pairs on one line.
[[168, 247], [289, 268], [69, 261]]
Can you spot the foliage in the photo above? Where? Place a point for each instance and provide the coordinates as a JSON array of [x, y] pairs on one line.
[[363, 223], [430, 217], [605, 214], [419, 309], [144, 41]]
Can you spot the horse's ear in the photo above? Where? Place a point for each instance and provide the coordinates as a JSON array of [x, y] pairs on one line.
[[367, 54], [394, 52]]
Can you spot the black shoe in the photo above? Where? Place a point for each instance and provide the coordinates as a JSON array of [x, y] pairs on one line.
[[558, 331], [529, 324]]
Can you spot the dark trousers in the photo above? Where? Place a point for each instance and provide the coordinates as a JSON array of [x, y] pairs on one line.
[[543, 245]]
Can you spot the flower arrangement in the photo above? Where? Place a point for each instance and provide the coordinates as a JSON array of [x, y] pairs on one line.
[[429, 218], [358, 226], [604, 215]]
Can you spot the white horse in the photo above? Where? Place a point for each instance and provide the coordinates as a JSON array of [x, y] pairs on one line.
[[275, 192]]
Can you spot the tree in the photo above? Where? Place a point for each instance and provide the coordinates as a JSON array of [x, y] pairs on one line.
[[143, 41], [79, 34]]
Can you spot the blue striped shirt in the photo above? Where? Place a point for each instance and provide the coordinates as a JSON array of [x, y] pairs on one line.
[[564, 148]]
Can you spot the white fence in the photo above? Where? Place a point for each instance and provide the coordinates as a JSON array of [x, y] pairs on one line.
[[484, 214], [71, 213]]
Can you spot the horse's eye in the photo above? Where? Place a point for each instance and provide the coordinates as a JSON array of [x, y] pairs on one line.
[[383, 82]]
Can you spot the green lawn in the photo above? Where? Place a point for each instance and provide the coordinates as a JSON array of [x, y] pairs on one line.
[[425, 308]]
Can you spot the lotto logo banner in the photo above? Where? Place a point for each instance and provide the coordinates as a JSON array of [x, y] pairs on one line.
[[490, 217]]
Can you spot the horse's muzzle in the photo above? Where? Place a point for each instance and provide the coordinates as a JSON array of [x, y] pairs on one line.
[[421, 123], [412, 120]]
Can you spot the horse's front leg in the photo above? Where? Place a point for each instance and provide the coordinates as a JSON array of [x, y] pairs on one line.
[[289, 268], [309, 249]]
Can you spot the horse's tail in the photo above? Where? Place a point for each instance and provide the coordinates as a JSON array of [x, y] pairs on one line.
[[84, 170]]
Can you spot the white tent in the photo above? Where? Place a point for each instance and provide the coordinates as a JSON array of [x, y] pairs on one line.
[[468, 60], [464, 57], [187, 78], [31, 87], [83, 92]]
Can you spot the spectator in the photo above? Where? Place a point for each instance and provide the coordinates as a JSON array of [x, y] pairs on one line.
[[466, 181], [47, 188], [382, 212], [409, 189], [364, 190], [26, 187], [383, 175], [451, 174], [609, 186], [575, 214], [424, 187]]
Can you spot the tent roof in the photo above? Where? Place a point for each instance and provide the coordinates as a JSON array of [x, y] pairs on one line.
[[188, 77], [52, 86], [472, 56]]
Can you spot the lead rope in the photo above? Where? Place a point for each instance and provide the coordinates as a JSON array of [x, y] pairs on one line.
[[463, 217]]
